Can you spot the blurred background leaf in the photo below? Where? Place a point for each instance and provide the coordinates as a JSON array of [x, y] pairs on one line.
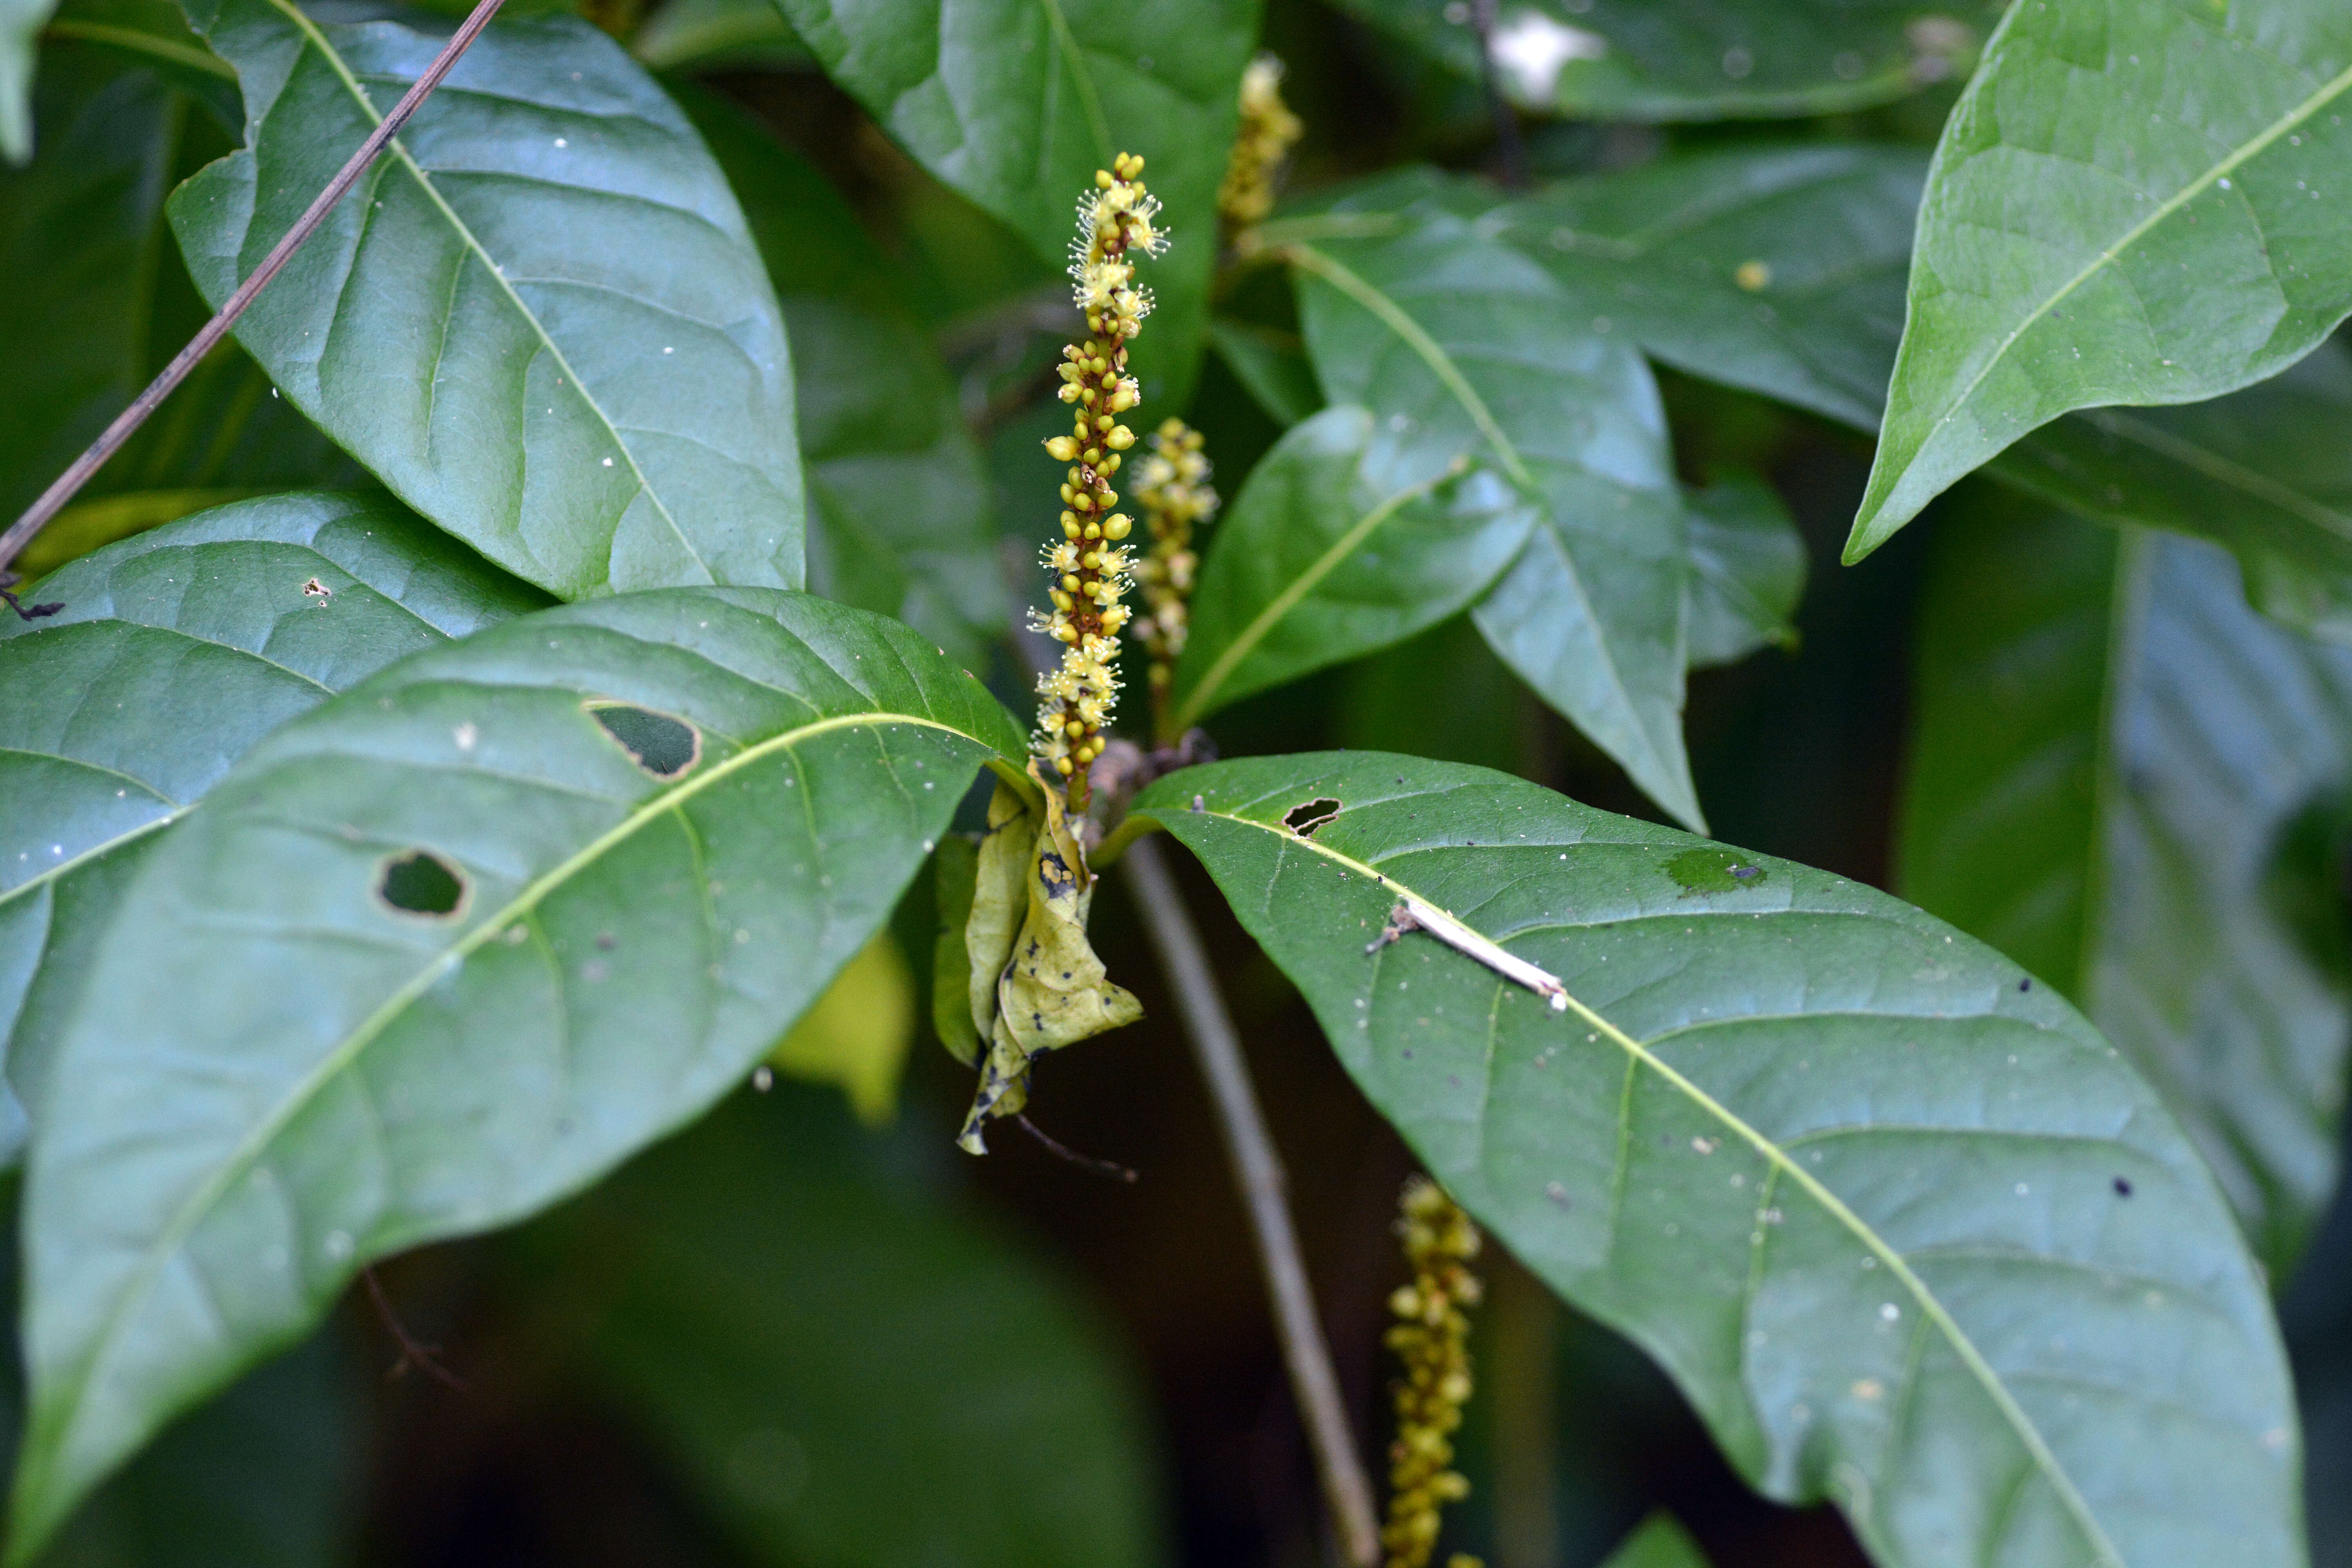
[[2142, 791], [1701, 59], [848, 1368]]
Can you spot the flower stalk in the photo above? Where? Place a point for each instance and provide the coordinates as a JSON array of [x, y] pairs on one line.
[[1267, 131], [1432, 1338], [1172, 484], [1090, 564]]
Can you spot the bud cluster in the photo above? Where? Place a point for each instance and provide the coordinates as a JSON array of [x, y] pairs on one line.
[[1431, 1339], [1266, 132], [1089, 565], [1172, 484]]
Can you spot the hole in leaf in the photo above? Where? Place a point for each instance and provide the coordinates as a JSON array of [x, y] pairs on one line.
[[662, 745], [422, 883], [1307, 815]]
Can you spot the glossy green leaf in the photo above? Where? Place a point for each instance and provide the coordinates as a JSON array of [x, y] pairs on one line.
[[720, 35], [1701, 59], [899, 499], [1778, 269], [2142, 791], [1016, 103], [1464, 350], [2135, 203], [176, 652], [792, 1318], [445, 950], [1331, 553], [1660, 1542], [1748, 570], [539, 317], [1907, 1232]]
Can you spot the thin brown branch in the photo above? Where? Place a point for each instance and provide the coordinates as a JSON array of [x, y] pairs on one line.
[[1059, 1150], [1257, 1169], [53, 499], [423, 1357]]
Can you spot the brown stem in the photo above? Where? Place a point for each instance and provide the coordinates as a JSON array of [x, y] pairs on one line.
[[53, 499], [422, 1356], [1257, 1169]]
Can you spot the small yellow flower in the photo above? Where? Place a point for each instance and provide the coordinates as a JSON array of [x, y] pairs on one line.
[[1089, 572], [1171, 485], [1431, 1340], [1266, 132]]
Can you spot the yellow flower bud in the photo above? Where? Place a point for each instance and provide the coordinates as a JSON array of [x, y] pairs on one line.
[[1117, 525], [1119, 439]]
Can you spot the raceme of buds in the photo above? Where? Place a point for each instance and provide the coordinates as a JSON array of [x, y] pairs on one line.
[[1088, 566], [1172, 486], [1268, 129], [1431, 1340]]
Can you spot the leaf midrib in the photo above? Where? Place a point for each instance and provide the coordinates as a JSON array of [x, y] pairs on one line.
[[335, 62], [2164, 210], [1282, 603], [1929, 1306], [1441, 365], [2223, 470], [241, 1159]]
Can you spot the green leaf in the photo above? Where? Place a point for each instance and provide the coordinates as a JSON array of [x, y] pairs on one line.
[[539, 317], [1016, 103], [1701, 59], [174, 654], [897, 493], [1860, 1189], [445, 950], [128, 96], [20, 31], [1660, 1542], [1462, 349], [266, 1475], [1331, 553], [2133, 206], [858, 1033], [2143, 792], [1271, 367], [1748, 570], [814, 1341], [720, 35], [2262, 472], [1779, 271], [1776, 269]]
